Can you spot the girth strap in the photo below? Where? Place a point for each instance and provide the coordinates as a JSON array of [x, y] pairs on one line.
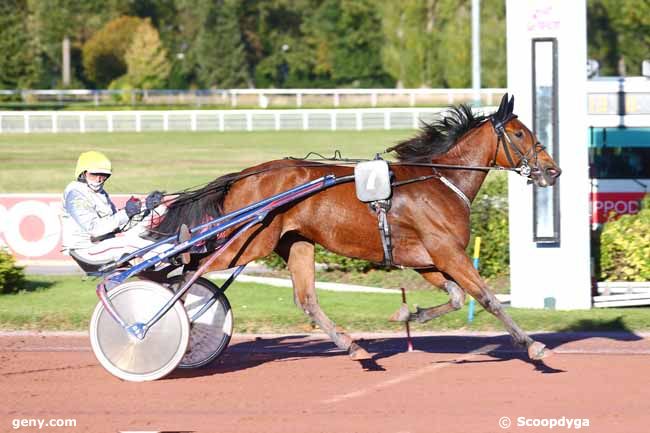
[[381, 208]]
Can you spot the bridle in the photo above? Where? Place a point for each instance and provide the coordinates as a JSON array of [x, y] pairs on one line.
[[522, 166]]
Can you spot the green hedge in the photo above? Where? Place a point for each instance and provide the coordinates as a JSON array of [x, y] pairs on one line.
[[625, 247], [489, 220], [12, 278]]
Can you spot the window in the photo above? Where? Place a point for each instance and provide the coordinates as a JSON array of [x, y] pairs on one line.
[[619, 153], [546, 216]]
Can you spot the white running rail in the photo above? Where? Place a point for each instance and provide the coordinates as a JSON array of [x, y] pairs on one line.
[[215, 120]]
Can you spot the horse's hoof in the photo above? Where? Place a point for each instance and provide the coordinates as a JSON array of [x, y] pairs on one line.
[[537, 351], [357, 353], [401, 315]]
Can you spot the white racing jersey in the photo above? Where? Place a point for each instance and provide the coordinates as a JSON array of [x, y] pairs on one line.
[[88, 215]]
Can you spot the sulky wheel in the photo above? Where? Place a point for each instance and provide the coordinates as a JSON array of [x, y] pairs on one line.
[[164, 344], [210, 332]]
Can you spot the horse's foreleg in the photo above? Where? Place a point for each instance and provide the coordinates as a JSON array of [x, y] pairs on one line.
[[300, 258], [422, 315], [459, 267]]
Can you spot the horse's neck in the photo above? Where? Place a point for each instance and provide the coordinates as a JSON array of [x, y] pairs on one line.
[[475, 149]]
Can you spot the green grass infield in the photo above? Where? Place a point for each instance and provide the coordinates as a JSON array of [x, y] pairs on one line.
[[169, 161], [67, 302]]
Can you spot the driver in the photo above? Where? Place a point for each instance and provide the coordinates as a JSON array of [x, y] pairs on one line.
[[94, 230]]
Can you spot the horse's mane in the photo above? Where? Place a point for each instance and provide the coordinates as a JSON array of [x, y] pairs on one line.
[[194, 207], [438, 137]]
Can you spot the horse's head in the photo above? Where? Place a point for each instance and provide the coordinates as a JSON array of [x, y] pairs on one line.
[[517, 147]]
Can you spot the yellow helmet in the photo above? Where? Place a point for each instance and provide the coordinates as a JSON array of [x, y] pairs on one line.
[[93, 162]]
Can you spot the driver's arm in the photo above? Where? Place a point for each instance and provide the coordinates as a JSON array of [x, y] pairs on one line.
[[84, 213]]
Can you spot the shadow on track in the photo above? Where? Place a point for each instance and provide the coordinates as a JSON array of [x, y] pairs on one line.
[[249, 354]]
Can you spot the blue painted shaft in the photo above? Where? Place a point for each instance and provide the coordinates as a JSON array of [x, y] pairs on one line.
[[472, 302]]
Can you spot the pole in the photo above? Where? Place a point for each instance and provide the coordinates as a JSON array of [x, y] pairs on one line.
[[476, 51], [409, 342], [472, 302], [66, 61]]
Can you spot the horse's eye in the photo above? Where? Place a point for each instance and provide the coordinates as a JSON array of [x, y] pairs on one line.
[[519, 134]]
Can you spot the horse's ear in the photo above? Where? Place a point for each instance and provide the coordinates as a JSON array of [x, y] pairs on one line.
[[511, 105], [502, 107]]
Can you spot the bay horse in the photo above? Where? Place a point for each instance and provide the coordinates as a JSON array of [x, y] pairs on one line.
[[436, 176]]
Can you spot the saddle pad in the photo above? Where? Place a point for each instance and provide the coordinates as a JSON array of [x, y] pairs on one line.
[[372, 180]]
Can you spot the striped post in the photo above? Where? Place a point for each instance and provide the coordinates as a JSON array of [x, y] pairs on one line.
[[409, 341], [472, 302]]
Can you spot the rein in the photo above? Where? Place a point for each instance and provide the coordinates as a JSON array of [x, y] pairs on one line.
[[352, 162], [522, 167]]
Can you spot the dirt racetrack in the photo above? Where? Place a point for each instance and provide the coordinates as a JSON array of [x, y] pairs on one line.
[[292, 383]]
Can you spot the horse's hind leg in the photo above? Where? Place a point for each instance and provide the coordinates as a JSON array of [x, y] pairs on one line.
[[299, 254], [422, 315]]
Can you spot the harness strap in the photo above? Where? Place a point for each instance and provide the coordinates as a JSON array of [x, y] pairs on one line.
[[444, 180], [457, 190], [381, 207]]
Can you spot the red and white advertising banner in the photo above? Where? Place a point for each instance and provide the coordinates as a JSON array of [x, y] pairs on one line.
[[611, 198], [30, 226], [608, 205]]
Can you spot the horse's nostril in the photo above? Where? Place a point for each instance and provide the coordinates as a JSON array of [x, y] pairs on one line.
[[553, 171]]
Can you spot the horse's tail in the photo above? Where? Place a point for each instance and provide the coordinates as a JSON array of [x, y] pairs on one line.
[[194, 207]]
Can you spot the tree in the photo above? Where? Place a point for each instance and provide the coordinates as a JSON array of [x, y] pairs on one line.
[[219, 50], [618, 30], [52, 20], [19, 62], [428, 43], [494, 68], [454, 42], [103, 54], [283, 57], [408, 51], [146, 59], [345, 38]]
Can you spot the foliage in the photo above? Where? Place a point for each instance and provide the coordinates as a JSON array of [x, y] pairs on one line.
[[453, 44], [19, 62], [407, 52], [126, 96], [276, 33], [625, 247], [104, 54], [493, 44], [219, 50], [619, 30], [146, 59], [53, 20], [12, 278], [327, 43], [489, 220], [345, 37], [429, 43]]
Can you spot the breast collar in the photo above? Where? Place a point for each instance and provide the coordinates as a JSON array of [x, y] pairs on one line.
[[457, 190]]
